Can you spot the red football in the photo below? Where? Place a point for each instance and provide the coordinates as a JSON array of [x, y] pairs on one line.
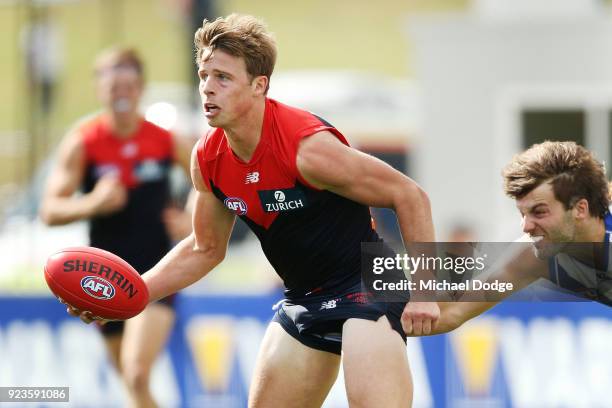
[[92, 279]]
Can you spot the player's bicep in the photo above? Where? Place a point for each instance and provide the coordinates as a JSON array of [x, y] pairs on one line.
[[196, 175], [326, 163], [212, 222], [68, 170], [182, 152]]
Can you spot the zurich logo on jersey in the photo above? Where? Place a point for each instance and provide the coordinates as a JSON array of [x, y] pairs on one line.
[[279, 196], [282, 200], [236, 205], [149, 171]]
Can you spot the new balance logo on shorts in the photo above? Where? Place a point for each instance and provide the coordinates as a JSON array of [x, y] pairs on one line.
[[329, 304], [252, 178]]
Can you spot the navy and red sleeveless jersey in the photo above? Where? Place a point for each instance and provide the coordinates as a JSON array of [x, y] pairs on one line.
[[142, 161], [311, 237]]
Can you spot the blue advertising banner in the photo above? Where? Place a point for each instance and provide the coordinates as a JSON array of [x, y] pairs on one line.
[[519, 354]]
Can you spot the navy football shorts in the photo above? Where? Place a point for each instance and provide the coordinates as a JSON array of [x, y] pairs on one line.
[[316, 320]]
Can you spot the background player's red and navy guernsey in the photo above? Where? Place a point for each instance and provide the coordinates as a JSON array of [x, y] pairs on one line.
[[142, 162], [311, 237]]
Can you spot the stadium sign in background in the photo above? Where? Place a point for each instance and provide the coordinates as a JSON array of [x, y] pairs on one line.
[[517, 355]]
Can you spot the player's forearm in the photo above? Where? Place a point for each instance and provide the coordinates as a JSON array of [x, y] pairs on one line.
[[413, 211], [454, 314], [64, 210], [451, 317], [184, 265]]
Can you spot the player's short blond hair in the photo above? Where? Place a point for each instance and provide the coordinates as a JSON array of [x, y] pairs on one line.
[[240, 36], [117, 58], [570, 169]]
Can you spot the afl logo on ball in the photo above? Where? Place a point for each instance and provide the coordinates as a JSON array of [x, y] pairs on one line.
[[97, 287], [237, 205]]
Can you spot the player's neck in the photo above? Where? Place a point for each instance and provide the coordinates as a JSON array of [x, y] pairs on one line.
[[244, 136], [593, 230], [124, 126]]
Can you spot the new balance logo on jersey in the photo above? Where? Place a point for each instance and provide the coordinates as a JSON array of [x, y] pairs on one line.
[[281, 200], [252, 178], [329, 304]]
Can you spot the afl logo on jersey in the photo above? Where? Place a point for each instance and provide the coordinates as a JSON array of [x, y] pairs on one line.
[[98, 288], [236, 205]]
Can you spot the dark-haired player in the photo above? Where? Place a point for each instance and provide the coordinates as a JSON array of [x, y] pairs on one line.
[[563, 196]]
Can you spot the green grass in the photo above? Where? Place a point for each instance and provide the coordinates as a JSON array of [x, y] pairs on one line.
[[87, 26], [342, 34], [355, 34], [336, 34], [24, 280]]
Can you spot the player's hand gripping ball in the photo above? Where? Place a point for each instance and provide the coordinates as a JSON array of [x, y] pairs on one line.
[[94, 280]]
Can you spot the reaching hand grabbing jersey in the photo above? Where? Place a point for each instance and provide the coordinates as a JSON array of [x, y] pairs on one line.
[[311, 237], [142, 162]]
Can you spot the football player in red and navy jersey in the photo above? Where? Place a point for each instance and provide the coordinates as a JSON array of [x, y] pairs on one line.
[[122, 163], [293, 179]]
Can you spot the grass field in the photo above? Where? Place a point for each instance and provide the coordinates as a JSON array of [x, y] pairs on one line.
[[341, 34], [313, 34], [316, 34], [86, 27]]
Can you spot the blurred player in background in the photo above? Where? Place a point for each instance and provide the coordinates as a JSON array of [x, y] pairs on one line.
[[305, 193], [121, 162], [563, 196], [43, 52]]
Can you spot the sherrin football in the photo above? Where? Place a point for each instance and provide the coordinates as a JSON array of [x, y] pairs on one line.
[[98, 281]]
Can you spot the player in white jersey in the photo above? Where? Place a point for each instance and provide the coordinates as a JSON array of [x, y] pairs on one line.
[[563, 196]]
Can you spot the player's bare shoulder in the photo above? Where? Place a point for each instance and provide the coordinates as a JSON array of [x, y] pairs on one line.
[[318, 158], [196, 174]]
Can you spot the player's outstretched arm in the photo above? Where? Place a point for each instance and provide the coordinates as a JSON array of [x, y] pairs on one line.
[[521, 269], [193, 257], [59, 205], [327, 163], [452, 315]]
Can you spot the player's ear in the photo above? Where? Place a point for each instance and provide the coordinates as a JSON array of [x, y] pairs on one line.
[[260, 85], [581, 209]]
